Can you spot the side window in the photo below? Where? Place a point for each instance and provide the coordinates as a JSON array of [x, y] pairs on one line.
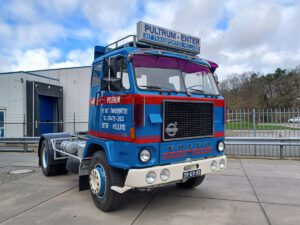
[[96, 75], [123, 73], [118, 70]]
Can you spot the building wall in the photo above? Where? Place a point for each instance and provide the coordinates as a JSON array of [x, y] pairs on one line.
[[75, 83]]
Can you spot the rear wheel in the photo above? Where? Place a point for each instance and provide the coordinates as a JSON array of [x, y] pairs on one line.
[[101, 178], [49, 167], [191, 183]]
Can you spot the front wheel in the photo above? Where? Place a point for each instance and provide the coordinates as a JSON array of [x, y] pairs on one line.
[[101, 178], [191, 183]]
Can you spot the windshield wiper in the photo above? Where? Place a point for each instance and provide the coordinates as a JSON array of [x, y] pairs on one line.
[[159, 88], [202, 92]]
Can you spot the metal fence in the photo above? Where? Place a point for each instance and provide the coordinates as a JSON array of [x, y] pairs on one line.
[[15, 125], [263, 123], [244, 124]]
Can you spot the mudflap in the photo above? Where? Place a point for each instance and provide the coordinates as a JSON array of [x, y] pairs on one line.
[[84, 183], [84, 170]]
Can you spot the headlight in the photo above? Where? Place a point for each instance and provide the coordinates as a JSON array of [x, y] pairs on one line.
[[221, 146], [222, 164], [145, 155], [164, 174], [151, 177], [213, 165]]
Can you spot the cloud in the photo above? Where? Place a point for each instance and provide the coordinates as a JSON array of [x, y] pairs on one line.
[[84, 33], [240, 36], [253, 24], [84, 57], [37, 59], [109, 15], [33, 59], [260, 37], [59, 8]]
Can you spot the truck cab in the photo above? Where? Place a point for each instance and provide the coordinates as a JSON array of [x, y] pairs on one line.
[[156, 117]]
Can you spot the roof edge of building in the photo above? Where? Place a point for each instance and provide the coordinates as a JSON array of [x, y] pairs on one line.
[[28, 71]]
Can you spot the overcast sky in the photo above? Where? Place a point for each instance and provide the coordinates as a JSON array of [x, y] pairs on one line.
[[239, 35]]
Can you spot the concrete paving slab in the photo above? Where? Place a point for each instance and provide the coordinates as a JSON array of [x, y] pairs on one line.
[[282, 214], [185, 210], [218, 187], [75, 207], [271, 168], [20, 195], [277, 190], [233, 169], [224, 198], [18, 159]]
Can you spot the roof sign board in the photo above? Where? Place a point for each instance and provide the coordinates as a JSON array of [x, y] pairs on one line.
[[161, 36]]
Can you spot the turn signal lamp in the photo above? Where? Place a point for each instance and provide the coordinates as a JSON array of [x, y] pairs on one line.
[[132, 133]]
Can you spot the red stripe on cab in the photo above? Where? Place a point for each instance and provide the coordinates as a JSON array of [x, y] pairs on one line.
[[137, 140], [150, 99]]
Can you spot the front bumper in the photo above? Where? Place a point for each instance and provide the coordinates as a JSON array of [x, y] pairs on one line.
[[136, 178]]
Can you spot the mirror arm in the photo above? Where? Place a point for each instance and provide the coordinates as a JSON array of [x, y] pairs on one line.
[[109, 68], [97, 97]]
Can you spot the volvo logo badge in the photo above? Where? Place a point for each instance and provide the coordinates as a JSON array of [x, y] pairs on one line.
[[171, 129]]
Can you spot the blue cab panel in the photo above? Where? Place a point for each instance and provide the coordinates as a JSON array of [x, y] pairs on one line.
[[128, 120]]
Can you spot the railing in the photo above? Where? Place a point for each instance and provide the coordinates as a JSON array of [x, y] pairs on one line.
[[262, 123], [278, 145], [253, 132], [121, 42], [16, 125], [258, 143], [17, 144]]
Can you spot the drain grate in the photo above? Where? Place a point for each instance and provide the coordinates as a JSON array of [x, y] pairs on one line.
[[21, 171]]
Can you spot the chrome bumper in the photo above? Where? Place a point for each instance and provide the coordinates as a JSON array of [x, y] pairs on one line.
[[136, 178]]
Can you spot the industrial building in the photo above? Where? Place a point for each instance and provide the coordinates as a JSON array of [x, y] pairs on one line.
[[42, 101]]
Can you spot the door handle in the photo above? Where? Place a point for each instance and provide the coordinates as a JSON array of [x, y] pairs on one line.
[[98, 98]]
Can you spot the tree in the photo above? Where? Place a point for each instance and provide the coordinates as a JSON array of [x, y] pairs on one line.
[[253, 90]]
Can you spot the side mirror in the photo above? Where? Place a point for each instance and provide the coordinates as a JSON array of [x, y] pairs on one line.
[[112, 84]]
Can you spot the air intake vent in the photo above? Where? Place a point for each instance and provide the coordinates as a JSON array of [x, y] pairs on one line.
[[185, 120]]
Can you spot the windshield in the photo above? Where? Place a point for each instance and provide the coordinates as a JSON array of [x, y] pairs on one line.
[[172, 74]]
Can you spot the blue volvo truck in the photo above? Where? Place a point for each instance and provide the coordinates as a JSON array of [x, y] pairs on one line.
[[156, 118]]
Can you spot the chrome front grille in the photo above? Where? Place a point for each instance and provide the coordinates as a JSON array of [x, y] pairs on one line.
[[184, 120]]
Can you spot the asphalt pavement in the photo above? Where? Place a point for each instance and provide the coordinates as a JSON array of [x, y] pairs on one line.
[[250, 191]]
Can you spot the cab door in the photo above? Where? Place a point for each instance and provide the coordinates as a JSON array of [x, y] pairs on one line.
[[117, 104], [95, 94]]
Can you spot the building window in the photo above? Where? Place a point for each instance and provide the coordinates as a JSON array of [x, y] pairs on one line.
[[2, 123]]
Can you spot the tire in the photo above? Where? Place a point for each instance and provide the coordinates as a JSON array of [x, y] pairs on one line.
[[191, 183], [101, 178], [49, 167]]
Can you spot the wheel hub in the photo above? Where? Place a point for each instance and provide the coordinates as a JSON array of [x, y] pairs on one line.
[[97, 181]]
